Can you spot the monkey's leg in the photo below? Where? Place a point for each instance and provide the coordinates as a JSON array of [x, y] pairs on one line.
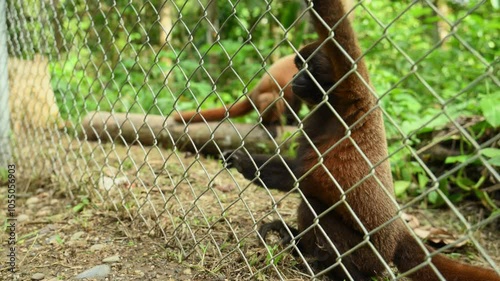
[[271, 109], [361, 264], [273, 172]]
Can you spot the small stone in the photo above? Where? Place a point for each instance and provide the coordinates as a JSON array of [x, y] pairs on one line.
[[187, 271], [32, 201], [47, 229], [139, 273], [100, 271], [97, 247], [112, 259], [77, 244], [22, 218], [77, 235], [40, 191], [37, 276], [44, 212]]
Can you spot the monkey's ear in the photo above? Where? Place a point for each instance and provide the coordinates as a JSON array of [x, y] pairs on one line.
[[299, 62], [307, 51], [301, 57]]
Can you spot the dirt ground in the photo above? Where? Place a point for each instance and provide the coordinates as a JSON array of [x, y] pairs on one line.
[[147, 212]]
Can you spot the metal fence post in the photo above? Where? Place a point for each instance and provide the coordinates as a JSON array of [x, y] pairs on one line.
[[5, 150]]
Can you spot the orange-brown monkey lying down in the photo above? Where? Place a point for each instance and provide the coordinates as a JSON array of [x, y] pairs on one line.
[[265, 97]]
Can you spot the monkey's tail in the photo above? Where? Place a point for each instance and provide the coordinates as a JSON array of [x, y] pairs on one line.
[[215, 114], [409, 254]]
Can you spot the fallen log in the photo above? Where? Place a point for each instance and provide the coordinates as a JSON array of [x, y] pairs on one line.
[[206, 138]]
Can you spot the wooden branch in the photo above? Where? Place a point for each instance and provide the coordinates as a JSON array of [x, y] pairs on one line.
[[207, 138]]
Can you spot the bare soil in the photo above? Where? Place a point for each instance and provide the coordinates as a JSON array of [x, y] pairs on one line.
[[167, 215]]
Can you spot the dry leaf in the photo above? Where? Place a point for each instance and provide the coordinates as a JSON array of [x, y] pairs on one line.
[[435, 235], [224, 188], [412, 221]]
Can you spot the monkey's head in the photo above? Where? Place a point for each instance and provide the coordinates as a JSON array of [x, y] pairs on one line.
[[314, 78]]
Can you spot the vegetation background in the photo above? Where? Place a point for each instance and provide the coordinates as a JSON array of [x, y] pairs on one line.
[[431, 62]]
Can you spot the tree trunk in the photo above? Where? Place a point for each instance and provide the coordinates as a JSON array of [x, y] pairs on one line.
[[207, 138]]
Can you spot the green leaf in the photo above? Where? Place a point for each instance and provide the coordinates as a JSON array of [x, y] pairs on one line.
[[495, 161], [456, 159], [495, 4], [490, 152], [493, 154], [271, 255], [489, 107], [400, 187], [80, 206], [59, 240], [422, 180], [464, 183], [495, 214], [289, 15], [434, 198], [457, 197]]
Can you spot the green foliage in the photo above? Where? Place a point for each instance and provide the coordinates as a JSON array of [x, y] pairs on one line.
[[493, 155], [4, 175], [84, 203], [435, 198], [407, 67], [489, 107], [424, 85], [401, 187], [29, 28], [114, 61], [272, 257]]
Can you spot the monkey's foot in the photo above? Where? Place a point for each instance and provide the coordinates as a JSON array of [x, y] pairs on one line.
[[281, 228]]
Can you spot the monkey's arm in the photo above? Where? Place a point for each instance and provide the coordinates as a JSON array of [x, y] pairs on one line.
[[273, 172]]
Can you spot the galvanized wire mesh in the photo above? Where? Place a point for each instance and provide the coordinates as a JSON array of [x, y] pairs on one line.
[[94, 85]]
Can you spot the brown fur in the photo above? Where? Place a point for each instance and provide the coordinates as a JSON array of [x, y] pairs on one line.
[[265, 97], [354, 179], [342, 158]]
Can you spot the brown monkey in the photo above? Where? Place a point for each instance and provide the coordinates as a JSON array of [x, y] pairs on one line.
[[265, 97], [348, 217]]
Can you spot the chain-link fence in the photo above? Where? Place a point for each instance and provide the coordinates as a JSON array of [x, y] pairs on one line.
[[134, 122]]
